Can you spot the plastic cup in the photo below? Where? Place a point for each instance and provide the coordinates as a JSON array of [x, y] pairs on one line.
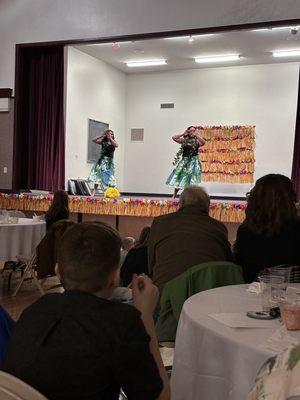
[[272, 291], [290, 315]]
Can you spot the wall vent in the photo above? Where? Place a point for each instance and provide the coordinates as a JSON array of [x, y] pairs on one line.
[[137, 134], [167, 105], [4, 105]]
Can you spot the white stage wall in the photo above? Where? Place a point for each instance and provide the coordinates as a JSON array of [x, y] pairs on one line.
[[264, 95], [96, 91]]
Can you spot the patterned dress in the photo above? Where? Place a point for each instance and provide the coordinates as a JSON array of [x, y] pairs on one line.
[[279, 378], [188, 167], [103, 172]]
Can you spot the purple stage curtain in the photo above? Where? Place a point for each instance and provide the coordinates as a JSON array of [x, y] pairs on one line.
[[39, 147], [296, 157]]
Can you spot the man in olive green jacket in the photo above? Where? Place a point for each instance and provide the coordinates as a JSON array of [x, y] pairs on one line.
[[186, 238]]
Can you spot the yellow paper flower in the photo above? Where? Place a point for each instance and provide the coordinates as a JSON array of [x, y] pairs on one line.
[[111, 193]]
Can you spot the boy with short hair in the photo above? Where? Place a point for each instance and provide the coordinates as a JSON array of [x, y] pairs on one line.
[[80, 345]]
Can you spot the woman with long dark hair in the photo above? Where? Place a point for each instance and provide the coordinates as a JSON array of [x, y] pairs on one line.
[[136, 261], [188, 168], [103, 172], [270, 234], [59, 208]]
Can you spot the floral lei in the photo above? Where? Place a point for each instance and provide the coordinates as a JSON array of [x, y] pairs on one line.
[[187, 140]]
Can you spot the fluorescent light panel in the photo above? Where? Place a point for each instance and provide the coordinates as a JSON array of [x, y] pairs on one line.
[[276, 28], [177, 37], [150, 63], [229, 57], [107, 43], [188, 37], [287, 53]]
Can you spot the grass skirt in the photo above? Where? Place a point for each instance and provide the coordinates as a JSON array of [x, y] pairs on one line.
[[103, 173], [187, 172]]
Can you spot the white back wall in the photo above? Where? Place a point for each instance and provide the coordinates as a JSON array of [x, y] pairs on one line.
[[262, 95], [97, 91]]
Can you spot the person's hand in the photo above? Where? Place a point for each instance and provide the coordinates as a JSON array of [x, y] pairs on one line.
[[145, 294]]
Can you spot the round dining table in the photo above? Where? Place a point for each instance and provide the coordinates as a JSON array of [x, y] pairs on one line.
[[214, 361], [20, 238]]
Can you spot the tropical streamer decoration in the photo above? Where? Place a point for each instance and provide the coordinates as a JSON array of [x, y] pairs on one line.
[[228, 155], [122, 206]]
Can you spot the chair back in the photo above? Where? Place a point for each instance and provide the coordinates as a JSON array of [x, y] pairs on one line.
[[46, 251], [201, 277], [12, 388], [196, 279]]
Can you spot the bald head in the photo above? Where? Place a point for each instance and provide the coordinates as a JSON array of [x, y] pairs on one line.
[[195, 196]]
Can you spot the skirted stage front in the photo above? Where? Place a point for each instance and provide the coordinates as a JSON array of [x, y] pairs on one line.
[[223, 210]]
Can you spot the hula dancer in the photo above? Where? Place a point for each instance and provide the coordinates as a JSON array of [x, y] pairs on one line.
[[103, 172], [188, 167]]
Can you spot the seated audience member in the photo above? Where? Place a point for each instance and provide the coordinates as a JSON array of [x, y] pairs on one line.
[[136, 261], [186, 238], [79, 344], [127, 244], [47, 249], [59, 208], [279, 378], [270, 234], [6, 326]]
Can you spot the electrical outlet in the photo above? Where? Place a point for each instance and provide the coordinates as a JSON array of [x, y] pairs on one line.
[[5, 170]]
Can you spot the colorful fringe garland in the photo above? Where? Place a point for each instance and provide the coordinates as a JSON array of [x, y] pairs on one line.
[[228, 155], [226, 212]]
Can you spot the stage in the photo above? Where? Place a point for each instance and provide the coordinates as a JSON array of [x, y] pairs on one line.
[[134, 206]]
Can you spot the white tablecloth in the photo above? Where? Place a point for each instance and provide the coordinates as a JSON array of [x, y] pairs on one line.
[[213, 361], [21, 238]]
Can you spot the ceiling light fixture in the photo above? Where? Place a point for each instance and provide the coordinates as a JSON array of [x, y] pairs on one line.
[[108, 43], [229, 57], [150, 63], [177, 37], [204, 35], [286, 53], [276, 28], [189, 37]]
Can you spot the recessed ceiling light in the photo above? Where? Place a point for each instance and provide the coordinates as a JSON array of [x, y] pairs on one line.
[[286, 53], [229, 57], [150, 63]]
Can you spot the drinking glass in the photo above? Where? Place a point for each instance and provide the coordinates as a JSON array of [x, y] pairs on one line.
[[4, 216], [272, 288], [285, 272]]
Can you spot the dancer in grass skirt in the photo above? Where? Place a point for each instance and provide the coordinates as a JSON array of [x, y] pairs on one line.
[[103, 172], [188, 167]]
